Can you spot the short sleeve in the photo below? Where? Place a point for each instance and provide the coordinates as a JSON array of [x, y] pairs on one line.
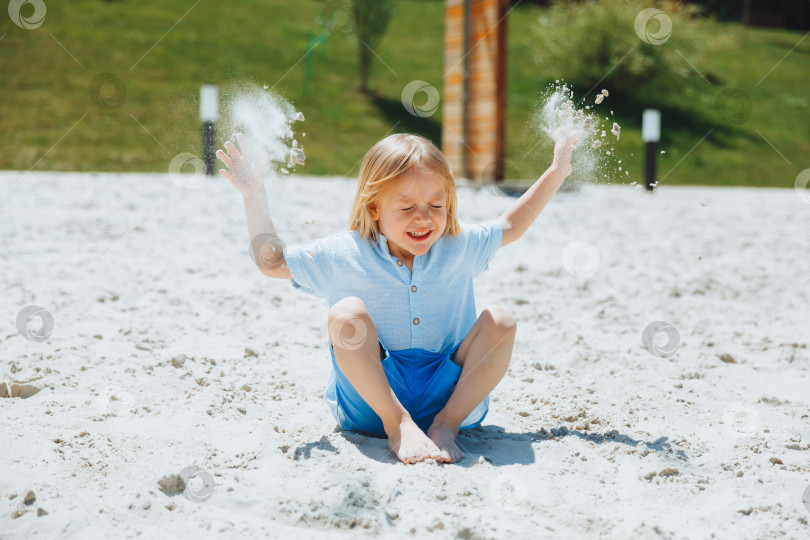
[[481, 243], [312, 268]]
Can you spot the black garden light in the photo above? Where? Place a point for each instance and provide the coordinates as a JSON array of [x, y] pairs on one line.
[[650, 134], [208, 115]]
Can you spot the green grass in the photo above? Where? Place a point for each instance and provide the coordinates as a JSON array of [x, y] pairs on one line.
[[45, 91]]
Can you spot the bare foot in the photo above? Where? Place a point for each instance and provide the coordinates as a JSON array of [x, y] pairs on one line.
[[410, 443], [445, 438]]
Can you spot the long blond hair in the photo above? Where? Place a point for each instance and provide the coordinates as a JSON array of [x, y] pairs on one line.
[[390, 159]]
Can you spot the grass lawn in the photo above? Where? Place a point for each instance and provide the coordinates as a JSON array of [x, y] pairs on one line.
[[49, 121]]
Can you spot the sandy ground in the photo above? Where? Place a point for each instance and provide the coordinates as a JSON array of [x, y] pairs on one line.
[[170, 350]]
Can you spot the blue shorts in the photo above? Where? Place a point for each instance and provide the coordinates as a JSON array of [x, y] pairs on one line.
[[422, 381]]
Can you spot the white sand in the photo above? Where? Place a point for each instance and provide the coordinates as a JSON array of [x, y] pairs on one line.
[[137, 272]]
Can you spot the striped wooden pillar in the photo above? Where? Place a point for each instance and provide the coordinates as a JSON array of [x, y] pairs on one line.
[[475, 69]]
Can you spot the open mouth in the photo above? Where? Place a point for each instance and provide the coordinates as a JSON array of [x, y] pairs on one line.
[[420, 236]]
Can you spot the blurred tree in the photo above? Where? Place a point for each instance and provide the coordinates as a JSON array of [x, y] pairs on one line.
[[747, 13], [604, 41], [371, 18]]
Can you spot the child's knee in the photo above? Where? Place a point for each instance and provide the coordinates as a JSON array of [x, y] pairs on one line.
[[499, 320], [349, 323], [347, 309]]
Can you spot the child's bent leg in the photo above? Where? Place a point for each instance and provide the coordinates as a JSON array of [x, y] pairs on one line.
[[484, 355], [357, 353]]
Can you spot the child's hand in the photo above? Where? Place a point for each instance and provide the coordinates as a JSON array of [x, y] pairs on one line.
[[242, 170], [564, 143]]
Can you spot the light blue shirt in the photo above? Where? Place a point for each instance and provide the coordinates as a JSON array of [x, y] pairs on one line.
[[430, 308]]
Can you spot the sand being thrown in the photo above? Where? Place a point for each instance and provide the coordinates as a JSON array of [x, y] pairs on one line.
[[266, 120], [594, 159]]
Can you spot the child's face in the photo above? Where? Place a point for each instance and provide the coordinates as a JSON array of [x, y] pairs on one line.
[[412, 215]]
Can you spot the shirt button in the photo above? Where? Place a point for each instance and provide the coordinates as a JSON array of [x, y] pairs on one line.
[[416, 321], [413, 288], [399, 263]]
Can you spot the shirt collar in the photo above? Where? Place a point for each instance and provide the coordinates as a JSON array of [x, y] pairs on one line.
[[382, 249], [382, 246]]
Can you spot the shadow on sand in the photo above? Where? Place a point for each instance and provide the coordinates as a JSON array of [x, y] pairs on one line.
[[500, 447]]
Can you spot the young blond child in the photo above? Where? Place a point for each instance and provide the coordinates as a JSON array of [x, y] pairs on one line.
[[410, 359]]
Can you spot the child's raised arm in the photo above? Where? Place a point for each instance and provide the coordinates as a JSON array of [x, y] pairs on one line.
[[267, 247], [518, 217]]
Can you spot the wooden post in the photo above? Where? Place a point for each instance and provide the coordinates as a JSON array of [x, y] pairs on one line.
[[474, 93]]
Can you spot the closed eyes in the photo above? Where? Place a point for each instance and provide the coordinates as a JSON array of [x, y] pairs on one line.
[[411, 207]]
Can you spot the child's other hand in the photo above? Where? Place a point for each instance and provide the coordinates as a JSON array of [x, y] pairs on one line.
[[242, 170], [565, 141]]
